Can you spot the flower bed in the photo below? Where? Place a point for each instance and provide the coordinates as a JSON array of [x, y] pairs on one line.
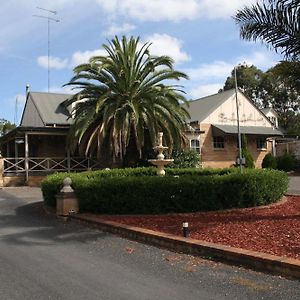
[[274, 229]]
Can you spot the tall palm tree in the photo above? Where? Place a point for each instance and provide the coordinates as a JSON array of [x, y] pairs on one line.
[[276, 22], [123, 97]]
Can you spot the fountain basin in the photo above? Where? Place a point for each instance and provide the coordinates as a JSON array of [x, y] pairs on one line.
[[160, 163]]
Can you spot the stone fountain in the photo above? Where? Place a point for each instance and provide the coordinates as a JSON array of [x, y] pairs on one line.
[[160, 160]]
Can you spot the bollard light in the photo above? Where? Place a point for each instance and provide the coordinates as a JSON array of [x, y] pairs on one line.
[[185, 228]]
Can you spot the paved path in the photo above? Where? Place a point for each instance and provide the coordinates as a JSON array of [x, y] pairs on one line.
[[44, 258], [294, 185]]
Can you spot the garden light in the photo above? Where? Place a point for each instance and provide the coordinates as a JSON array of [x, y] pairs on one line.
[[185, 228]]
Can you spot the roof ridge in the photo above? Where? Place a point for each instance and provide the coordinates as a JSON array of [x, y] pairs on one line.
[[48, 93], [208, 96]]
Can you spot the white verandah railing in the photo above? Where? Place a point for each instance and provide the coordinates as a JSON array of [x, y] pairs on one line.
[[17, 165]]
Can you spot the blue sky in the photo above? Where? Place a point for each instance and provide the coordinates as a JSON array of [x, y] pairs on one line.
[[200, 35]]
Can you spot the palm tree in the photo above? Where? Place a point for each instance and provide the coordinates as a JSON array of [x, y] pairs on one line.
[[276, 22], [123, 99]]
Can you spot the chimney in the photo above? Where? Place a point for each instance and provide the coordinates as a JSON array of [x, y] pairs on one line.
[[27, 89]]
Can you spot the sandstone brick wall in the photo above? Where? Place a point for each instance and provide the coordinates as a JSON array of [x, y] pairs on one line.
[[223, 158]]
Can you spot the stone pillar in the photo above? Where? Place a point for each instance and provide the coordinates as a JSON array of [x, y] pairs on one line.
[[1, 171], [66, 201]]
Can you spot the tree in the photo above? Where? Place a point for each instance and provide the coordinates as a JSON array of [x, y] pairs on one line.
[[278, 87], [123, 98], [6, 126], [282, 92], [249, 80], [249, 163], [275, 22]]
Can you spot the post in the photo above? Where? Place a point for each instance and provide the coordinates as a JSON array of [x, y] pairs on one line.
[[238, 122], [1, 171], [274, 147], [16, 155], [66, 201], [68, 161], [26, 158]]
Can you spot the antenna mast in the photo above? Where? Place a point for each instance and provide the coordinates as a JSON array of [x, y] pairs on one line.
[[49, 19]]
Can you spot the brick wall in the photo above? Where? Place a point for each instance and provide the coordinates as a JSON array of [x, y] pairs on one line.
[[223, 158]]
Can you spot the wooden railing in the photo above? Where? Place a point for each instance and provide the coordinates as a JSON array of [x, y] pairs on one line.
[[13, 165]]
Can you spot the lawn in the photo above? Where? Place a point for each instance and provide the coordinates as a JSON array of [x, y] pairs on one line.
[[273, 229]]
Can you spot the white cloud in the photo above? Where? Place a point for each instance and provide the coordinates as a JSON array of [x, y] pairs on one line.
[[210, 77], [222, 69], [154, 10], [115, 29], [216, 69], [219, 9], [54, 62], [80, 57], [261, 59], [172, 10], [205, 90], [163, 44]]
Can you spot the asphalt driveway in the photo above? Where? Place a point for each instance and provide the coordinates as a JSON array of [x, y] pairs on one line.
[[294, 185], [43, 258]]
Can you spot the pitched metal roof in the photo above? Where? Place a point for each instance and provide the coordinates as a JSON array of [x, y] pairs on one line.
[[269, 109], [201, 108], [49, 108], [255, 130]]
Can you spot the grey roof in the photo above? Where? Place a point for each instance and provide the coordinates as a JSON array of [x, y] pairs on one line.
[[269, 109], [255, 130], [201, 108], [49, 108]]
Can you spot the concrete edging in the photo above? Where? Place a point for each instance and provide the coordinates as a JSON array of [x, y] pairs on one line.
[[255, 260]]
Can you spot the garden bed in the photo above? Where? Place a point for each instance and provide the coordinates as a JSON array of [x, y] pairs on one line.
[[273, 229]]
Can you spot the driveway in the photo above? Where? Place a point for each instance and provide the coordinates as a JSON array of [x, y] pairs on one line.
[[294, 185], [44, 258]]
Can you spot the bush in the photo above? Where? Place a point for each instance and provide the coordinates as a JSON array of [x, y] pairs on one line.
[[186, 193], [249, 162], [286, 162], [269, 162], [52, 184], [185, 159]]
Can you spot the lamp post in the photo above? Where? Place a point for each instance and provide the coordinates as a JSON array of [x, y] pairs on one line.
[[240, 159]]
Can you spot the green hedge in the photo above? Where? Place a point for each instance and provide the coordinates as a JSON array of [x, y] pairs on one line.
[[100, 192]]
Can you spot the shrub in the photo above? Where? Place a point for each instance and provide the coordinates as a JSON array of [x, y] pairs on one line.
[[52, 184], [269, 162], [286, 162], [186, 193], [249, 163], [185, 159]]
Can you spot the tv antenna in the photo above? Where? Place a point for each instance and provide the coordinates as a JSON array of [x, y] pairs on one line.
[[49, 19]]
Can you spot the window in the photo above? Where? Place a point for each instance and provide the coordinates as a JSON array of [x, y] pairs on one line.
[[261, 143], [218, 142], [195, 145], [273, 120]]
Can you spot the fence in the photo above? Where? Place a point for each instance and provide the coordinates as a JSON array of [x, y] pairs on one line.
[[13, 165]]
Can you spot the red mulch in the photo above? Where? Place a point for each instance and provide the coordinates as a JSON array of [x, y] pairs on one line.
[[273, 229]]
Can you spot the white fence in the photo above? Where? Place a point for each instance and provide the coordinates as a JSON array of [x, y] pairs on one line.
[[13, 165]]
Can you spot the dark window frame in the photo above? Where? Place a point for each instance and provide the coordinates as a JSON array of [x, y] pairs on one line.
[[196, 146], [261, 143], [218, 142]]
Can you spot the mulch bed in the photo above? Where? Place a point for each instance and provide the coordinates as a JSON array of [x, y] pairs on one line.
[[273, 229]]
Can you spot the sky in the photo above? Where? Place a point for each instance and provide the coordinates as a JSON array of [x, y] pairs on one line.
[[200, 35]]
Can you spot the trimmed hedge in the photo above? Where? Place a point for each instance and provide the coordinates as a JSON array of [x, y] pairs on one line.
[[269, 162], [101, 192], [286, 162]]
